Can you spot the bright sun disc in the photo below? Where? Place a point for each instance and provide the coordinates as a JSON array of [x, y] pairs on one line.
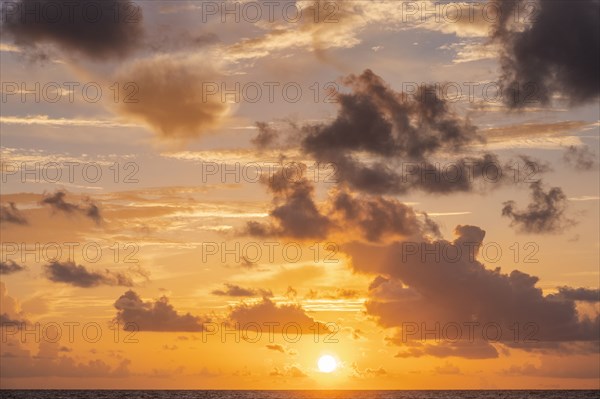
[[327, 364]]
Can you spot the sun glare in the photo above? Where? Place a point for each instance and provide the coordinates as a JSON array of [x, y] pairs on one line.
[[327, 364]]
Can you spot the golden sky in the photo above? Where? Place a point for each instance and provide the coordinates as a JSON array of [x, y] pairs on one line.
[[299, 195]]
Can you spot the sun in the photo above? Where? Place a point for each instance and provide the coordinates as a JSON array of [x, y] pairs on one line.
[[327, 364]]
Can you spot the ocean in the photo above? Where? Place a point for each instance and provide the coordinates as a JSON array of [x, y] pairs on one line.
[[214, 394]]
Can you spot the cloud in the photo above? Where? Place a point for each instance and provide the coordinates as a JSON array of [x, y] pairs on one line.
[[267, 311], [276, 347], [266, 135], [448, 369], [10, 214], [378, 217], [173, 98], [57, 202], [297, 215], [433, 284], [295, 211], [157, 315], [549, 56], [292, 371], [378, 120], [579, 294], [10, 267], [368, 372], [237, 291], [78, 276], [545, 214], [580, 158], [10, 310], [384, 142], [97, 30], [50, 362]]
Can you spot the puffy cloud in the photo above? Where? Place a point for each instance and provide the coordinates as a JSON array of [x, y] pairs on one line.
[[267, 311], [10, 214], [551, 55], [172, 97], [98, 30], [295, 211], [432, 284], [383, 141], [237, 291], [77, 275], [297, 215], [157, 315], [9, 267], [545, 214], [378, 216]]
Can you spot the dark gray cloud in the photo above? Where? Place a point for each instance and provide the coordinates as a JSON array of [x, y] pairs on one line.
[[386, 142], [443, 282], [556, 53], [10, 266], [10, 214], [157, 315], [398, 132], [80, 276], [97, 29], [266, 136], [297, 215], [580, 158], [57, 202], [376, 119], [580, 294], [237, 291], [545, 213], [379, 217], [295, 212]]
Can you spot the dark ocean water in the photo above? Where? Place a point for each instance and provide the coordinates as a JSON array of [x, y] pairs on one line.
[[101, 394]]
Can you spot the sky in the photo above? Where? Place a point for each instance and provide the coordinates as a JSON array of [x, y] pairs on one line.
[[216, 195]]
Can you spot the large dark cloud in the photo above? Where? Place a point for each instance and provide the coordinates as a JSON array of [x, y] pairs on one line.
[[57, 202], [387, 142], [10, 267], [97, 29], [157, 315], [555, 54], [10, 214], [545, 213], [443, 282], [296, 214], [80, 276]]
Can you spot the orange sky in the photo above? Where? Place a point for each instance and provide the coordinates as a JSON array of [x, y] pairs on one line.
[[194, 202]]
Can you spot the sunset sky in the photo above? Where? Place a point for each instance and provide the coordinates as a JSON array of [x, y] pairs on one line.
[[208, 194]]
